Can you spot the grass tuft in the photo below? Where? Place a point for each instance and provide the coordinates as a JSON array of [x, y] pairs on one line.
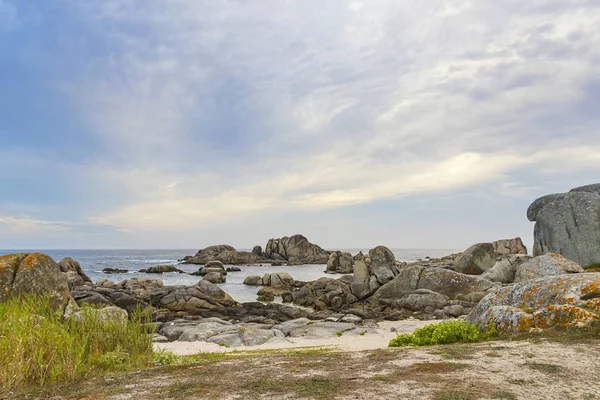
[[38, 347]]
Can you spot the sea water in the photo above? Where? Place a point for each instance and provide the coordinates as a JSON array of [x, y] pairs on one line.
[[94, 261]]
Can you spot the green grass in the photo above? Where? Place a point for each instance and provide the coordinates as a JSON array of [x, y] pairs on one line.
[[444, 333], [38, 347]]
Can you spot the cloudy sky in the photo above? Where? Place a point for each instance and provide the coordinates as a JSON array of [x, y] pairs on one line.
[[186, 123]]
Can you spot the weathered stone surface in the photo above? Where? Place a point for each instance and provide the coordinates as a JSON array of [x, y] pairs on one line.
[[322, 330], [108, 296], [340, 263], [476, 259], [277, 279], [215, 277], [75, 275], [509, 246], [372, 272], [224, 254], [115, 271], [422, 300], [325, 294], [561, 300], [33, 273], [160, 269], [546, 265], [568, 224], [253, 280], [103, 282], [540, 203], [233, 269], [439, 280], [505, 269], [141, 287], [593, 188], [288, 326], [203, 296], [204, 331], [296, 250]]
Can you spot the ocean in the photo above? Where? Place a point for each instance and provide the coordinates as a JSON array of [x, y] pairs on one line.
[[94, 261]]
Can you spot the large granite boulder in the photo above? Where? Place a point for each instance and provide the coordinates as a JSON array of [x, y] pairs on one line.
[[215, 277], [105, 296], [325, 294], [223, 253], [546, 265], [568, 224], [505, 269], [34, 273], [296, 250], [509, 246], [476, 259], [555, 301], [340, 263], [370, 273], [439, 280], [141, 287], [75, 275], [161, 269], [202, 296]]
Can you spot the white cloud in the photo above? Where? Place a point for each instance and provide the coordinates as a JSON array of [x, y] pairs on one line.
[[335, 103]]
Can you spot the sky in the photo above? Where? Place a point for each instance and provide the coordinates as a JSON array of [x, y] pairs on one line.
[[188, 123]]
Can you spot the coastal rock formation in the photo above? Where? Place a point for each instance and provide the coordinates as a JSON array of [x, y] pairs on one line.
[[372, 272], [75, 275], [443, 281], [34, 273], [568, 224], [160, 269], [215, 277], [325, 294], [108, 296], [223, 253], [141, 287], [509, 246], [556, 301], [476, 259], [505, 269], [115, 271], [546, 265], [340, 263], [296, 250], [203, 295]]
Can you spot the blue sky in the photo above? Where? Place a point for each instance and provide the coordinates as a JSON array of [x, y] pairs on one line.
[[186, 123]]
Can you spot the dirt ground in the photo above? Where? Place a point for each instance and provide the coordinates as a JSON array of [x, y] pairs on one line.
[[528, 369]]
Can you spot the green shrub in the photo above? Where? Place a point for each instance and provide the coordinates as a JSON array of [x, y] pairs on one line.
[[165, 358], [339, 334], [38, 347], [444, 333]]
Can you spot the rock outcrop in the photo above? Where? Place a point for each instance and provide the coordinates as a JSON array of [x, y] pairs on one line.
[[505, 269], [482, 257], [370, 273], [296, 250], [555, 301], [225, 254], [75, 275], [34, 273], [340, 263], [546, 265], [203, 296], [568, 224], [161, 269]]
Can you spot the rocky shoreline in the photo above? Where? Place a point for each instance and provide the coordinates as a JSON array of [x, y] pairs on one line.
[[488, 283]]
